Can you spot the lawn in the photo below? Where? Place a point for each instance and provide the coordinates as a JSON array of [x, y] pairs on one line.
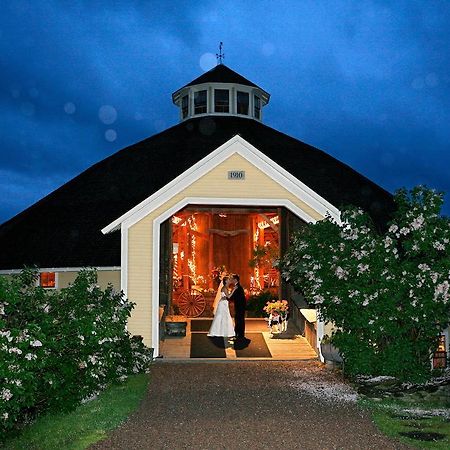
[[422, 430], [87, 424]]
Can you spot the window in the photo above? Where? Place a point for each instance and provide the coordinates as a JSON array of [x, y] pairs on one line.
[[200, 102], [221, 100], [257, 113], [47, 280], [440, 355], [242, 102], [184, 106]]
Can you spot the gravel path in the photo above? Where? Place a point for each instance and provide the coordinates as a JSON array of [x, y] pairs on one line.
[[247, 405]]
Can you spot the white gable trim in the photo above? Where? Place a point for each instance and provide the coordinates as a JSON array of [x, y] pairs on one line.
[[235, 145]]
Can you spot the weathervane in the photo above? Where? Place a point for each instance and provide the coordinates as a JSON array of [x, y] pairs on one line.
[[220, 56]]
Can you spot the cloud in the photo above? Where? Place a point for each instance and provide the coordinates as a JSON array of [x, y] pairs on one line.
[[366, 81]]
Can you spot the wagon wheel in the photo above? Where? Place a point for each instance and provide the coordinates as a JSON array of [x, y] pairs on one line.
[[191, 303]]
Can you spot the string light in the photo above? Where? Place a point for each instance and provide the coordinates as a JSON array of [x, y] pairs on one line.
[[264, 224]]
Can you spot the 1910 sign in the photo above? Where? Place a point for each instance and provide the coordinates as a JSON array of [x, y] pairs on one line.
[[236, 174]]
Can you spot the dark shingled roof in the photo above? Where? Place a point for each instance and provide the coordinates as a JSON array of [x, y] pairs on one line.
[[63, 229], [221, 74]]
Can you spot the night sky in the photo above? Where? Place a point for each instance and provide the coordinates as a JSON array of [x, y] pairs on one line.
[[366, 81]]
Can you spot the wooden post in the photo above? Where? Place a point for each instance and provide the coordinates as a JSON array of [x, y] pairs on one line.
[[210, 252]]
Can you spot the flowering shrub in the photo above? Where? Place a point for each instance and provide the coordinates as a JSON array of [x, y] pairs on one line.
[[386, 293], [58, 348]]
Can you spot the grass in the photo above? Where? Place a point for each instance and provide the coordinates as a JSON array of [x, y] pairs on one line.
[[389, 418], [87, 424]]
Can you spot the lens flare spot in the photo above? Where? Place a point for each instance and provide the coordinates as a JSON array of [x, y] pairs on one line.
[[110, 135], [207, 61], [107, 114], [69, 108]]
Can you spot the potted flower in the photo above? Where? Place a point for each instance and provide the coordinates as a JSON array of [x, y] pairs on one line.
[[278, 312], [175, 324]]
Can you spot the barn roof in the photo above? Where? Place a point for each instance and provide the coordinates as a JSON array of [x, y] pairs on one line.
[[221, 74], [63, 229]]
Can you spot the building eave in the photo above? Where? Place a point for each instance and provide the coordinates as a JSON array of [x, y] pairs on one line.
[[239, 145]]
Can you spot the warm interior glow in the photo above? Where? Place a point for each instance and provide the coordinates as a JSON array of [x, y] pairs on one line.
[[47, 279], [243, 241]]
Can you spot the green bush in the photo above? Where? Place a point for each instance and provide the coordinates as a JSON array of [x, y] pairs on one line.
[[387, 293], [58, 348]]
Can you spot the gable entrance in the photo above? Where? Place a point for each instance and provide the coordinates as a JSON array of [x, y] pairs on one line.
[[201, 243]]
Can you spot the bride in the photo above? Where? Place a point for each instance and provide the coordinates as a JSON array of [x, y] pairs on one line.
[[222, 324]]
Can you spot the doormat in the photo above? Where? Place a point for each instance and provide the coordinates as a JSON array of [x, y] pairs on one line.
[[201, 325], [203, 346], [252, 346]]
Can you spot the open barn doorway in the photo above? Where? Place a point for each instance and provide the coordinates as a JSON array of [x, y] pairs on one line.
[[207, 241]]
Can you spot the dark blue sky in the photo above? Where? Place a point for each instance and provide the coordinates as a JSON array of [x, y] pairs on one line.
[[366, 81]]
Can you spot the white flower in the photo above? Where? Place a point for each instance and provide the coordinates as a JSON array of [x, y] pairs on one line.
[[36, 343], [362, 268], [5, 416], [404, 231], [442, 290], [15, 350], [393, 228], [318, 299], [340, 273], [6, 334], [423, 267], [6, 394], [2, 309], [387, 242], [438, 245], [30, 356], [365, 302], [417, 222], [371, 322]]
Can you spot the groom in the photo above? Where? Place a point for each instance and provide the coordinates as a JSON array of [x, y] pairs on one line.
[[238, 297]]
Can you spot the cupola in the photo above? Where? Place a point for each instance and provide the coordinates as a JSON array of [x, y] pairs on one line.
[[221, 91]]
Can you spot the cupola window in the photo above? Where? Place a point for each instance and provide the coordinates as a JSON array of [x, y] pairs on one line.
[[200, 102], [222, 100], [185, 106], [242, 102], [257, 112]]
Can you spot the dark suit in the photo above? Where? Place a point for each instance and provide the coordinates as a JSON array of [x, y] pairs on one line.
[[238, 297]]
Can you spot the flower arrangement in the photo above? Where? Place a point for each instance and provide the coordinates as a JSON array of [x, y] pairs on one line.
[[277, 311], [277, 307], [217, 273]]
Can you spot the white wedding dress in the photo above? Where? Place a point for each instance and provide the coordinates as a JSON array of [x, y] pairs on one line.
[[222, 324]]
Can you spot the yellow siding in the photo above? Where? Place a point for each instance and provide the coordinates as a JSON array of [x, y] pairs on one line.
[[104, 277], [213, 184], [139, 278]]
